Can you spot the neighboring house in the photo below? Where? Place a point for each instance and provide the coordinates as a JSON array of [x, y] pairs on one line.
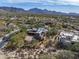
[[68, 37], [40, 33], [14, 18], [37, 33]]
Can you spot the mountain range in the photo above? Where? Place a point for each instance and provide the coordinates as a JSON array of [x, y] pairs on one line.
[[34, 11]]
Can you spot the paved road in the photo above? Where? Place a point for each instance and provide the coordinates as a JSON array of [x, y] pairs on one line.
[[4, 40], [3, 43]]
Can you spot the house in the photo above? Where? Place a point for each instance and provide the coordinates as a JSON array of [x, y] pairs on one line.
[[32, 31], [40, 33], [67, 38], [37, 33]]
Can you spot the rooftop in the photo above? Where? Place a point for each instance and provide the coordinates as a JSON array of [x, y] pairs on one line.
[[70, 36], [35, 30]]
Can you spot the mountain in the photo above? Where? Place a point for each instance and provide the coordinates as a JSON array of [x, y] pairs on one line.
[[13, 9], [40, 11], [5, 10]]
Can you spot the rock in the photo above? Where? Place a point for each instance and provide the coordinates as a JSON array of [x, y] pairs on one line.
[[42, 46]]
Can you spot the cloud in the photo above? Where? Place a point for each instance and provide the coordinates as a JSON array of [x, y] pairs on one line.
[[22, 1], [46, 2], [71, 2]]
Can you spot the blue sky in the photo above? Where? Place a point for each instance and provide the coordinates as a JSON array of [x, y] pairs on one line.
[[54, 5]]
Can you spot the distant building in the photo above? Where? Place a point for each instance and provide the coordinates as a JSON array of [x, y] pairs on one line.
[[37, 33], [68, 37]]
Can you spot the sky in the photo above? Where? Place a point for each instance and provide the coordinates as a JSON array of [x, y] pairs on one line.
[[54, 5]]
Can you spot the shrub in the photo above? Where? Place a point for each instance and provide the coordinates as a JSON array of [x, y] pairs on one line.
[[52, 32], [74, 47], [64, 54]]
